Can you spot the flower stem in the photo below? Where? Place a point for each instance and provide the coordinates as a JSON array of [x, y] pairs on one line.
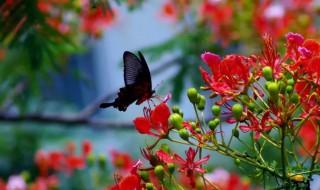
[[283, 154]]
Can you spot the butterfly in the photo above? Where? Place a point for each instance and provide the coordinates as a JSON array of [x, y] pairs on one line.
[[138, 84]]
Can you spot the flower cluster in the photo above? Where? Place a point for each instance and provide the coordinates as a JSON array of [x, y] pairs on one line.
[[222, 17], [270, 99]]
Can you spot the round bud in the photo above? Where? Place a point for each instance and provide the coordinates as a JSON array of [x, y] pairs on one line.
[[267, 73], [184, 134], [193, 125], [180, 113], [295, 98], [175, 109], [237, 161], [237, 111], [198, 130], [267, 84], [149, 186], [235, 133], [251, 106], [145, 176], [159, 172], [90, 159], [176, 120], [289, 89], [102, 161], [290, 82], [26, 176], [192, 95], [165, 147], [202, 103], [171, 168], [273, 89], [214, 123], [216, 110]]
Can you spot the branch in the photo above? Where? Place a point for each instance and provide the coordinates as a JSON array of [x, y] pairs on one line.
[[73, 120]]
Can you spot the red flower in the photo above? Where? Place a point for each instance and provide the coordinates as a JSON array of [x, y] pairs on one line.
[[130, 182], [86, 148], [122, 161], [188, 166], [229, 76], [165, 157], [169, 10], [156, 119], [56, 160], [270, 57], [255, 125], [93, 20], [308, 134], [42, 162], [311, 106], [294, 42]]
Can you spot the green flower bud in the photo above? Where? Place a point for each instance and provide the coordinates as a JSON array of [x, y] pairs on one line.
[[165, 147], [273, 89], [159, 172], [149, 186], [251, 106], [198, 130], [216, 110], [193, 125], [237, 111], [214, 123], [289, 89], [202, 103], [184, 134], [90, 159], [25, 175], [267, 73], [145, 176], [175, 109], [176, 120], [192, 95], [237, 161], [171, 168], [198, 98], [290, 82], [180, 113], [245, 98], [295, 98], [235, 133], [267, 84], [102, 161]]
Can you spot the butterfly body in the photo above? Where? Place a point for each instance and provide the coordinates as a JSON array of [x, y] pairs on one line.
[[138, 84]]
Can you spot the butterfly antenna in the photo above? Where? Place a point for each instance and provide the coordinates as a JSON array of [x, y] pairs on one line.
[[158, 85]]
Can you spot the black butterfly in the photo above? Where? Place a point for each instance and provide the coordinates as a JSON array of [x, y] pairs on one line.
[[137, 79]]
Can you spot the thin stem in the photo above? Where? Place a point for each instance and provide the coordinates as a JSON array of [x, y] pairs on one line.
[[283, 152]]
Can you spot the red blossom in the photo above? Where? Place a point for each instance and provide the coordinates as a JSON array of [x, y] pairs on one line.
[[165, 157], [270, 56], [156, 119], [169, 11], [188, 166], [86, 148], [294, 42], [93, 20], [43, 163], [229, 76], [255, 125], [122, 161], [131, 181], [308, 134]]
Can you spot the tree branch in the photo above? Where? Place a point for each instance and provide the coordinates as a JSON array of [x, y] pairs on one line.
[[73, 120]]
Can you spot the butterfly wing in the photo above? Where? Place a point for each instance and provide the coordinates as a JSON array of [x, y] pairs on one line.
[[137, 79], [137, 75]]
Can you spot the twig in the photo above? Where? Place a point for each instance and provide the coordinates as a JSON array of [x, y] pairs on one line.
[[73, 120]]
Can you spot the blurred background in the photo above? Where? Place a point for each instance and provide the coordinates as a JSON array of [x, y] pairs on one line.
[[60, 59]]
